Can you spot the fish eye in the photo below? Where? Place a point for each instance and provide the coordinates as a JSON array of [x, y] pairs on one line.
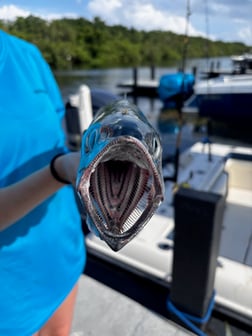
[[156, 147], [106, 132]]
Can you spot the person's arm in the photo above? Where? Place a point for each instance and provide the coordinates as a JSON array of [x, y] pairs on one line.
[[20, 198]]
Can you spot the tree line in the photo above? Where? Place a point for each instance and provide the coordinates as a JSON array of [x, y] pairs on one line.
[[80, 43]]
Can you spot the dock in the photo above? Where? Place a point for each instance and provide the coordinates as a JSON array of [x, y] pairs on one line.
[[145, 88], [140, 87], [101, 310]]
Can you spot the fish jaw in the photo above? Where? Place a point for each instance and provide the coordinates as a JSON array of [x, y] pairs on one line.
[[121, 188]]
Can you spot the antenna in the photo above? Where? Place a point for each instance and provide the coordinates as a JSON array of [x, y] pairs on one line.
[[206, 140], [180, 101], [207, 33], [186, 39]]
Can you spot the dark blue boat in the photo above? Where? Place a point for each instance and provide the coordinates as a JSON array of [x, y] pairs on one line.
[[226, 99]]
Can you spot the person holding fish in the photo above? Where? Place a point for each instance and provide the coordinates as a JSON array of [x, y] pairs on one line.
[[117, 176], [42, 250]]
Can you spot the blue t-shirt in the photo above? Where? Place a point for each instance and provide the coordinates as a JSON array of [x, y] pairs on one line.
[[43, 254]]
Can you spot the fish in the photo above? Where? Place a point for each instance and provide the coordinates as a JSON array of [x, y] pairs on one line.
[[119, 182]]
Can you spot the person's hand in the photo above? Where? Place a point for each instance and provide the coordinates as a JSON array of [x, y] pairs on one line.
[[67, 166]]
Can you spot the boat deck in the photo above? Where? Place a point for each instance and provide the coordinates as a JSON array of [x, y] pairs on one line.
[[151, 252], [101, 310]]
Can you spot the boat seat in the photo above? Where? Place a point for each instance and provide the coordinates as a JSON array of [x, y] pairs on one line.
[[236, 241], [240, 173], [236, 234]]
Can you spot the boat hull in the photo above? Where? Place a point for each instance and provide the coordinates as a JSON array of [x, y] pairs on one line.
[[227, 99], [226, 106]]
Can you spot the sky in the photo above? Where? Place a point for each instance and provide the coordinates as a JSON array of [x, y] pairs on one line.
[[226, 20]]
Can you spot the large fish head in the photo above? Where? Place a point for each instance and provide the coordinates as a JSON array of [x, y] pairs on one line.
[[120, 181]]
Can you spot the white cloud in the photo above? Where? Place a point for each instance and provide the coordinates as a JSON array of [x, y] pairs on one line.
[[148, 15], [11, 12], [139, 15], [219, 9], [245, 34], [104, 6], [55, 16]]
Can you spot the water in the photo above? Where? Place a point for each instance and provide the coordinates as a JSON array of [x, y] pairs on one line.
[[108, 79]]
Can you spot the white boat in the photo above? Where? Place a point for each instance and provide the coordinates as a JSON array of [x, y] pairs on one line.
[[151, 252], [242, 64]]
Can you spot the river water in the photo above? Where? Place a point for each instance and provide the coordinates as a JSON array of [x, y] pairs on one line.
[[108, 79], [69, 80]]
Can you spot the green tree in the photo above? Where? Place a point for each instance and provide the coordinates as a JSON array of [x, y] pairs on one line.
[[80, 43]]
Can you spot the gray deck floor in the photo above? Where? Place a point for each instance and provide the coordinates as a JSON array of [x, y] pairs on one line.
[[102, 311]]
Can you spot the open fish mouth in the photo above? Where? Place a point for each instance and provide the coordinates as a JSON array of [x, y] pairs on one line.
[[121, 189]]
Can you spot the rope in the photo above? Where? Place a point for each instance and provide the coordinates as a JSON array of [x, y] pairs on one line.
[[188, 319]]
